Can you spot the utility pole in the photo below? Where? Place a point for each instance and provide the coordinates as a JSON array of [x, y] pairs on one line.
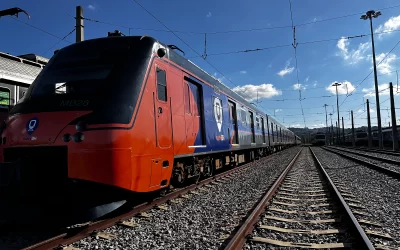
[[326, 120], [79, 24], [337, 133], [369, 126], [352, 129], [331, 132], [394, 125], [344, 140], [369, 15], [336, 84]]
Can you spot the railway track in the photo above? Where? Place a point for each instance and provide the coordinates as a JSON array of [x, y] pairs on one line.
[[388, 166], [78, 232], [381, 151], [306, 209]]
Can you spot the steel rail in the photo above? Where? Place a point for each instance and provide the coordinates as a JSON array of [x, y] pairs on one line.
[[239, 239], [363, 239], [383, 151], [394, 162], [368, 164], [79, 233]]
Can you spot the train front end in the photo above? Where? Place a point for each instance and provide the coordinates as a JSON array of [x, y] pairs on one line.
[[67, 144]]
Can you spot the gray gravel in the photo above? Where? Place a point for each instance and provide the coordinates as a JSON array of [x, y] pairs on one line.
[[202, 221], [305, 175], [366, 158], [378, 193]]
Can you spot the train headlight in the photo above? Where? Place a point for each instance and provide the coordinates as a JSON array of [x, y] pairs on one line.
[[81, 126], [66, 138], [78, 137]]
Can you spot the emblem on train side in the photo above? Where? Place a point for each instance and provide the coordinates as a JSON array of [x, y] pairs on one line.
[[32, 125], [218, 113]]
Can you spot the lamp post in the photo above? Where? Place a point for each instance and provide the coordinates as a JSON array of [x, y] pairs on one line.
[[369, 15], [336, 84]]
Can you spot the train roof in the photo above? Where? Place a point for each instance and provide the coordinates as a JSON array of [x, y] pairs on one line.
[[18, 70]]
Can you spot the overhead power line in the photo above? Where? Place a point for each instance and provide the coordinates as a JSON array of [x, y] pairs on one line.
[[63, 39], [238, 30], [42, 30]]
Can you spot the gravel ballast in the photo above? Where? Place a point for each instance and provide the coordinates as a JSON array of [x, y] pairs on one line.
[[202, 221], [378, 192], [296, 189]]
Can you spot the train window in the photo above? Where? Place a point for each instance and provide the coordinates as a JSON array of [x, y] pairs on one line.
[[244, 117], [272, 132], [4, 98], [187, 98], [161, 85], [258, 122]]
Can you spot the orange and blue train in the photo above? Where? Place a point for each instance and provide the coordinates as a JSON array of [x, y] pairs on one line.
[[129, 113]]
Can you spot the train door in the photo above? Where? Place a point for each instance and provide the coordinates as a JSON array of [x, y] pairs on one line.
[[262, 129], [233, 122], [197, 112], [269, 134], [253, 137], [162, 112], [188, 113]]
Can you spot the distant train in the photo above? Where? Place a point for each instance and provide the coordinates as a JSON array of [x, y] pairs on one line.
[[16, 74], [387, 135], [318, 139], [360, 138], [129, 114]]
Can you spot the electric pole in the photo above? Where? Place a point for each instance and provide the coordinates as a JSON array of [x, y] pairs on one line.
[[326, 122], [369, 15], [79, 24], [336, 84]]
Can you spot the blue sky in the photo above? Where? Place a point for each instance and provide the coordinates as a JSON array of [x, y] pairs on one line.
[[322, 56]]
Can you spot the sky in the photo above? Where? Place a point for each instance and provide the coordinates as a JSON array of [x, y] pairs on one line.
[[249, 47]]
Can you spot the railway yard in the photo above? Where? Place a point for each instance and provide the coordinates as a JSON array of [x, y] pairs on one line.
[[301, 197]]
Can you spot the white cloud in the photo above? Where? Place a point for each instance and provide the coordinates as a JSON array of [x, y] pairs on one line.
[[299, 86], [295, 126], [278, 110], [342, 90], [390, 25], [243, 72], [250, 92], [360, 111], [308, 78], [318, 125], [386, 66], [315, 84], [92, 7], [287, 69], [353, 56], [315, 19], [209, 14]]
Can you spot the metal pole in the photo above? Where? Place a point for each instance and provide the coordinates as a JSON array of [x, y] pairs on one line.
[[344, 141], [326, 120], [337, 134], [369, 126], [79, 24], [394, 125], [352, 129], [378, 109], [337, 104]]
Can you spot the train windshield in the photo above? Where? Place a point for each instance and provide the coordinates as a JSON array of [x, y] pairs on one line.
[[102, 75], [81, 69], [319, 137]]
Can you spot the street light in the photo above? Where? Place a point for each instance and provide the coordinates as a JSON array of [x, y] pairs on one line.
[[336, 84], [369, 15]]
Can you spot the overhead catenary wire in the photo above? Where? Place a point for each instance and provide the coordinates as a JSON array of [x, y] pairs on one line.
[[59, 41], [238, 30]]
